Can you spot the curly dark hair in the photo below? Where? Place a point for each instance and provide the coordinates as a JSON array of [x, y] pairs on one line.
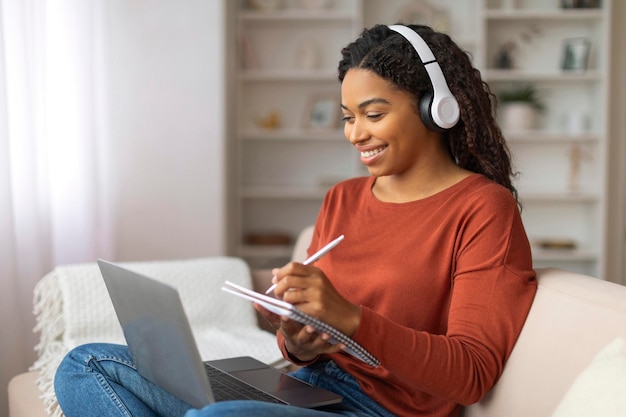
[[476, 142]]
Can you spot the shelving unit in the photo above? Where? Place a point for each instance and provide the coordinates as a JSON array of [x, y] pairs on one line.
[[563, 175], [289, 57], [285, 172]]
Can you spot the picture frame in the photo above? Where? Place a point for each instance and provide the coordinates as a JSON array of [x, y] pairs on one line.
[[576, 54], [322, 112]]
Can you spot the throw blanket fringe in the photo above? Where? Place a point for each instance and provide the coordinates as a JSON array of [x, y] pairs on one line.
[[48, 310]]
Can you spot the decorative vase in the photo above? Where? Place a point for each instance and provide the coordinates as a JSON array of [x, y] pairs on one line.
[[519, 116]]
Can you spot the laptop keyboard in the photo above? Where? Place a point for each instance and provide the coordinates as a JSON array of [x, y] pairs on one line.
[[225, 387]]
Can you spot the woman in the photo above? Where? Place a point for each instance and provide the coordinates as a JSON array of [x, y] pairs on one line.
[[434, 277]]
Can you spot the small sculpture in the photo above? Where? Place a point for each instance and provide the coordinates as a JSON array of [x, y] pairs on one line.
[[269, 122], [577, 156]]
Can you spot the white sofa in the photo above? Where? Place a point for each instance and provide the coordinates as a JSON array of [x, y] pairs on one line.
[[573, 318]]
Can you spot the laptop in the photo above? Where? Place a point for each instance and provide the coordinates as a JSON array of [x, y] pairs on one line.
[[163, 348]]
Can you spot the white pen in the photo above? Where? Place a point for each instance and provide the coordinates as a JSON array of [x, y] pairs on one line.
[[316, 256]]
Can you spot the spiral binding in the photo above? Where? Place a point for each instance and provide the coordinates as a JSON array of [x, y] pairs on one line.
[[352, 347]]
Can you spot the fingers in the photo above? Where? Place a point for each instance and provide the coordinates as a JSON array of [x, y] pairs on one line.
[[306, 301], [303, 341], [290, 276]]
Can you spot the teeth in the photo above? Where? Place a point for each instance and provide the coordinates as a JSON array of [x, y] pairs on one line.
[[368, 154]]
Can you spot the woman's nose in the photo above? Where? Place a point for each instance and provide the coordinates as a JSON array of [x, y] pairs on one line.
[[356, 133]]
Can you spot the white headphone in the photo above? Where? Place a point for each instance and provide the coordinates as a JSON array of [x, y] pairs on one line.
[[440, 110]]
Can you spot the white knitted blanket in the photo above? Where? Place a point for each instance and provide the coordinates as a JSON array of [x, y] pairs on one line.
[[72, 307]]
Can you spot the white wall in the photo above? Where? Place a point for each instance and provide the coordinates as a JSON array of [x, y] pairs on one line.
[[166, 128]]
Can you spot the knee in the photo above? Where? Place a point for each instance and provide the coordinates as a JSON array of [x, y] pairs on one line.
[[79, 357], [76, 364], [75, 361]]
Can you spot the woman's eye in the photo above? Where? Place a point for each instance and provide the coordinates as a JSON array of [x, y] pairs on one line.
[[371, 116]]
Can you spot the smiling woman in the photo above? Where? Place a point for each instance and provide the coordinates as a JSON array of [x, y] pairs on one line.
[[435, 255]]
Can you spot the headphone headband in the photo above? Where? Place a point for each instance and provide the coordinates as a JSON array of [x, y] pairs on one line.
[[443, 109]]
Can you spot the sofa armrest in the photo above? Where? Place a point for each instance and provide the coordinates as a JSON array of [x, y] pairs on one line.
[[24, 396]]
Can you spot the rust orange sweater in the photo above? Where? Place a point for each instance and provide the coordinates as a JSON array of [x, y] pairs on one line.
[[445, 284]]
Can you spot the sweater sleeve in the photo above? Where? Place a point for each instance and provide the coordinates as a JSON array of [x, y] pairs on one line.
[[462, 365]]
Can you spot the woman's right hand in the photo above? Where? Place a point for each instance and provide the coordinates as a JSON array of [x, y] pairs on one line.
[[303, 343]]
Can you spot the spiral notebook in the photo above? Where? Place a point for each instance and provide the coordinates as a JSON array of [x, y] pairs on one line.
[[286, 309]]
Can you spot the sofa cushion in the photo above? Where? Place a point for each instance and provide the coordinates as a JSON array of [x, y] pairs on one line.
[[600, 390]]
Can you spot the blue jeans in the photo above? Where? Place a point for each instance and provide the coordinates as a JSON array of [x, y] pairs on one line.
[[101, 380]]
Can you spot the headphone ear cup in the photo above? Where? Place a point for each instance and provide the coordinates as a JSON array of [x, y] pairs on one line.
[[426, 103], [446, 109]]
